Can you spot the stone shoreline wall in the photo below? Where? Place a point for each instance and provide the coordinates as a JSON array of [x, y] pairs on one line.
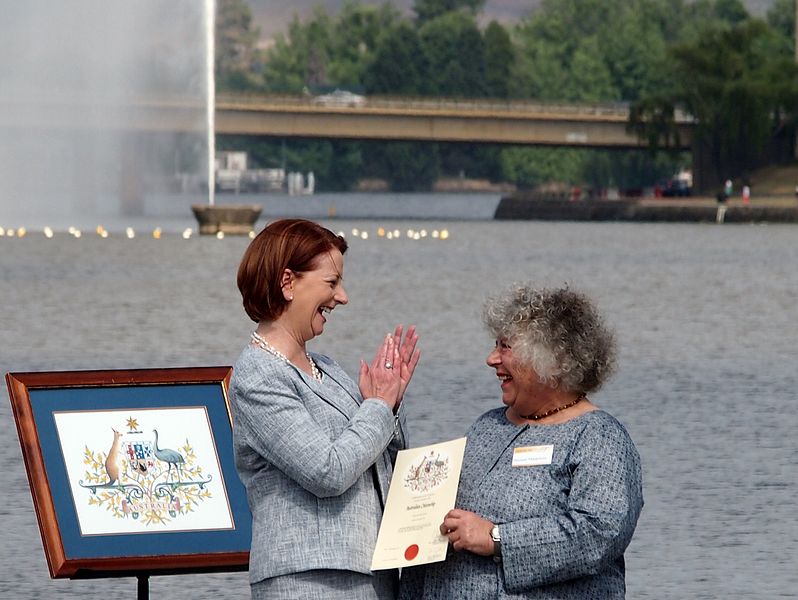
[[521, 208]]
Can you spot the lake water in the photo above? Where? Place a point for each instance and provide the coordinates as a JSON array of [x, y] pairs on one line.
[[705, 318]]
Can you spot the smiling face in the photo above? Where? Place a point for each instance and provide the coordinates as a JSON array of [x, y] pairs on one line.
[[315, 293], [522, 391]]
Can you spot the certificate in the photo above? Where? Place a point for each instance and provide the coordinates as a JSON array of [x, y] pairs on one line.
[[423, 489]]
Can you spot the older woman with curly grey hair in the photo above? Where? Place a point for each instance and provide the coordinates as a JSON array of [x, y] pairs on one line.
[[550, 489]]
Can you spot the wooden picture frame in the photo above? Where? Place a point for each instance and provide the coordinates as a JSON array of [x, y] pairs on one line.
[[112, 498]]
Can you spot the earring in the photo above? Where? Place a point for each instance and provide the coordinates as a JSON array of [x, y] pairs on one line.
[[290, 298]]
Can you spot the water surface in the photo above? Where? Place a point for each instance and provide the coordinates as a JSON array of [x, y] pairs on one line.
[[706, 380]]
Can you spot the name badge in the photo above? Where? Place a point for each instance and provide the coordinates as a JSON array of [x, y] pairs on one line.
[[532, 456]]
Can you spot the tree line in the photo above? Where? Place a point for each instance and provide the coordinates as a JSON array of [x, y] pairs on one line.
[[736, 74]]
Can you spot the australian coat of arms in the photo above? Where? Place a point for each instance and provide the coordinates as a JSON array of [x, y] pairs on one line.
[[428, 473], [139, 478]]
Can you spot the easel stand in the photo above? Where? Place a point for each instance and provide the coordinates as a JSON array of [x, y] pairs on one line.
[[143, 588]]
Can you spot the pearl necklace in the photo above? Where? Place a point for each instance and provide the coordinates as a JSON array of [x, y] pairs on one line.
[[259, 341]]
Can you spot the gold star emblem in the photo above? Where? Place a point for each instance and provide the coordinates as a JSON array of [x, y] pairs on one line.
[[132, 424]]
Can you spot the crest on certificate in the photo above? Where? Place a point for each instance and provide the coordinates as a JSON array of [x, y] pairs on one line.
[[430, 471]]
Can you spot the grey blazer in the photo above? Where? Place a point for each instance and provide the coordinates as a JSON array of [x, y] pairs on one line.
[[316, 460]]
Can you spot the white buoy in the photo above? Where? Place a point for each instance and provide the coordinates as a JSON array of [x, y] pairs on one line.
[[444, 234], [130, 233], [48, 232], [364, 235], [220, 235], [187, 233]]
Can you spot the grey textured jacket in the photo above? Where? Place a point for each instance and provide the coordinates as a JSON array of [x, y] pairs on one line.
[[564, 526], [316, 460]]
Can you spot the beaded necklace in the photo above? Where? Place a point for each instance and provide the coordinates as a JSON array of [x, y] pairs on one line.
[[554, 410], [259, 341]]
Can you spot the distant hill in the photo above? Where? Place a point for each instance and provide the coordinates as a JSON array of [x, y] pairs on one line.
[[273, 16]]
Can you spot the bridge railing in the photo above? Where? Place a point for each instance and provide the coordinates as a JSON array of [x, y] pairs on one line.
[[611, 110]]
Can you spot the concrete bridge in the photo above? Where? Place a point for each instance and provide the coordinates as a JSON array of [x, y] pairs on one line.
[[518, 122], [421, 119], [438, 120]]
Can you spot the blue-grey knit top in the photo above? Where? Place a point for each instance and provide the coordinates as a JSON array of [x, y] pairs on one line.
[[564, 526]]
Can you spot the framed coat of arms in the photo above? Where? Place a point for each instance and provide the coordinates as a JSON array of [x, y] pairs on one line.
[[132, 471]]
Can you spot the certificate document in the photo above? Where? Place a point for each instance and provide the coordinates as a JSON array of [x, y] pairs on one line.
[[423, 489]]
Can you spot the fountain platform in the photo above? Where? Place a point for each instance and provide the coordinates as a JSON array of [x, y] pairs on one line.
[[234, 219]]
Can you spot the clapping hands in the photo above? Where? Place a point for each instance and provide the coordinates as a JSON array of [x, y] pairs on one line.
[[391, 369]]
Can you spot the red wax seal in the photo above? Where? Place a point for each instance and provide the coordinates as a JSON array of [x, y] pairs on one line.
[[411, 552]]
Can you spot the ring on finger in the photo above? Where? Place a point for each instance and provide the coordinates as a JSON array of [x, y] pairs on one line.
[[388, 364]]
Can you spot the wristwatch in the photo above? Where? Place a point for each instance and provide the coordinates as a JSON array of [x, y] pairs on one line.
[[497, 543]]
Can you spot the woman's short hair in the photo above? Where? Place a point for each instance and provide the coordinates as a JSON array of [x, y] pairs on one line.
[[285, 244], [557, 332]]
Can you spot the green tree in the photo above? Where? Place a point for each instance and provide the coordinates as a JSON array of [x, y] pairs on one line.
[[398, 66], [427, 10], [356, 33], [406, 166], [532, 166], [629, 47], [454, 53], [781, 17], [237, 61], [591, 80], [499, 60], [327, 51], [730, 12], [299, 59], [741, 87], [634, 49]]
